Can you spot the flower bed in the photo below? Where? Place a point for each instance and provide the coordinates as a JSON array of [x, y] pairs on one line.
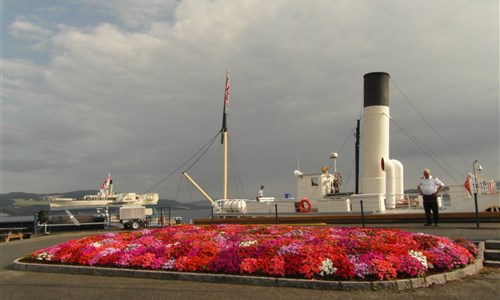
[[279, 250]]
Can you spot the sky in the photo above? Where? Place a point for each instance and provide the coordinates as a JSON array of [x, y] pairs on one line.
[[136, 87]]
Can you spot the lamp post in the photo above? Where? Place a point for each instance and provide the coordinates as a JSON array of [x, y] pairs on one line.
[[475, 192]]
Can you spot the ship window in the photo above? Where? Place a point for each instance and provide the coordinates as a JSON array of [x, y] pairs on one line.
[[136, 197], [314, 181]]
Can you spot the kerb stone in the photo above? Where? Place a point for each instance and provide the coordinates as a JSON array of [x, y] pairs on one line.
[[435, 279]]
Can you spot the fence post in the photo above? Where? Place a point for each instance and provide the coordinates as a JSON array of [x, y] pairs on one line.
[[35, 222], [276, 212], [362, 214], [169, 217]]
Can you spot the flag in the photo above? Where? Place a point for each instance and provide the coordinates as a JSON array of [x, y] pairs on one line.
[[227, 92], [107, 180]]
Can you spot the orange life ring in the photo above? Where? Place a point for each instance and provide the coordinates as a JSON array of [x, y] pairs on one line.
[[304, 206], [467, 186]]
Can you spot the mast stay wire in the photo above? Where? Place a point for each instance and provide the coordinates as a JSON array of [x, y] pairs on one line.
[[178, 188], [349, 136], [431, 154], [204, 148], [428, 123], [210, 143], [235, 170], [349, 174]]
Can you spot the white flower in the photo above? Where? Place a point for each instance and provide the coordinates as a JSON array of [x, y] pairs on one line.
[[96, 244], [131, 247], [247, 243], [327, 267], [146, 231], [44, 256], [169, 264], [172, 245], [420, 257]]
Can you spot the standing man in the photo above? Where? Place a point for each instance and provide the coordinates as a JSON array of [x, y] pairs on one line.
[[429, 187], [260, 193]]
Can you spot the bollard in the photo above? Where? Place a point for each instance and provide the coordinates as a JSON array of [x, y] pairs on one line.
[[276, 212], [169, 217], [475, 206], [362, 214], [35, 221], [161, 219]]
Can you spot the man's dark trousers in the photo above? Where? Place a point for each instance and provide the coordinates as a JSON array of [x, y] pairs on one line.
[[431, 205]]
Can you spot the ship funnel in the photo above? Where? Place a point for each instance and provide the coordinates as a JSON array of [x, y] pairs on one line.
[[375, 131], [382, 177]]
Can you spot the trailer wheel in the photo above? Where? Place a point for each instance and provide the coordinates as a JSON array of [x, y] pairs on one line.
[[135, 225], [126, 225]]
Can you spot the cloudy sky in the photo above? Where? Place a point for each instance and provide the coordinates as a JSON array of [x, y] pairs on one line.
[[135, 88]]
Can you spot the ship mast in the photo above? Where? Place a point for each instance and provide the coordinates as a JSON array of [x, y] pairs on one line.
[[224, 136], [224, 143]]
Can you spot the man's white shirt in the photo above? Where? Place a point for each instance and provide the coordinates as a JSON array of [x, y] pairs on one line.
[[430, 185]]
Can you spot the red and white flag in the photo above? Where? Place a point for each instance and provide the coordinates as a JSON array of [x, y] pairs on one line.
[[227, 92], [108, 180]]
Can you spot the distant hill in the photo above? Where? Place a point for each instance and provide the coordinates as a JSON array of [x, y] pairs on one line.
[[22, 195], [415, 191], [19, 195]]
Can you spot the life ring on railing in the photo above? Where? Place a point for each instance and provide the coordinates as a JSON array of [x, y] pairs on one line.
[[304, 206], [467, 186]]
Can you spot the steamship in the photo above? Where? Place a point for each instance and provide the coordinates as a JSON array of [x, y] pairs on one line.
[[106, 197], [382, 189]]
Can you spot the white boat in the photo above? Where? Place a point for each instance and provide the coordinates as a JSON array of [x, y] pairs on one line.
[[106, 197], [382, 183]]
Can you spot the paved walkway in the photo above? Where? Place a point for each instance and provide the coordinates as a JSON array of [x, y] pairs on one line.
[[32, 285], [469, 231]]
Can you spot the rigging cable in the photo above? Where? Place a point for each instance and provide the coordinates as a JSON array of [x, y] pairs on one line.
[[207, 146], [351, 133], [431, 154], [178, 188], [349, 174], [345, 143], [235, 170], [429, 124], [205, 151]]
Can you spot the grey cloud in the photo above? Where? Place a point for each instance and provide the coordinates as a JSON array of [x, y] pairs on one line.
[[140, 92]]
